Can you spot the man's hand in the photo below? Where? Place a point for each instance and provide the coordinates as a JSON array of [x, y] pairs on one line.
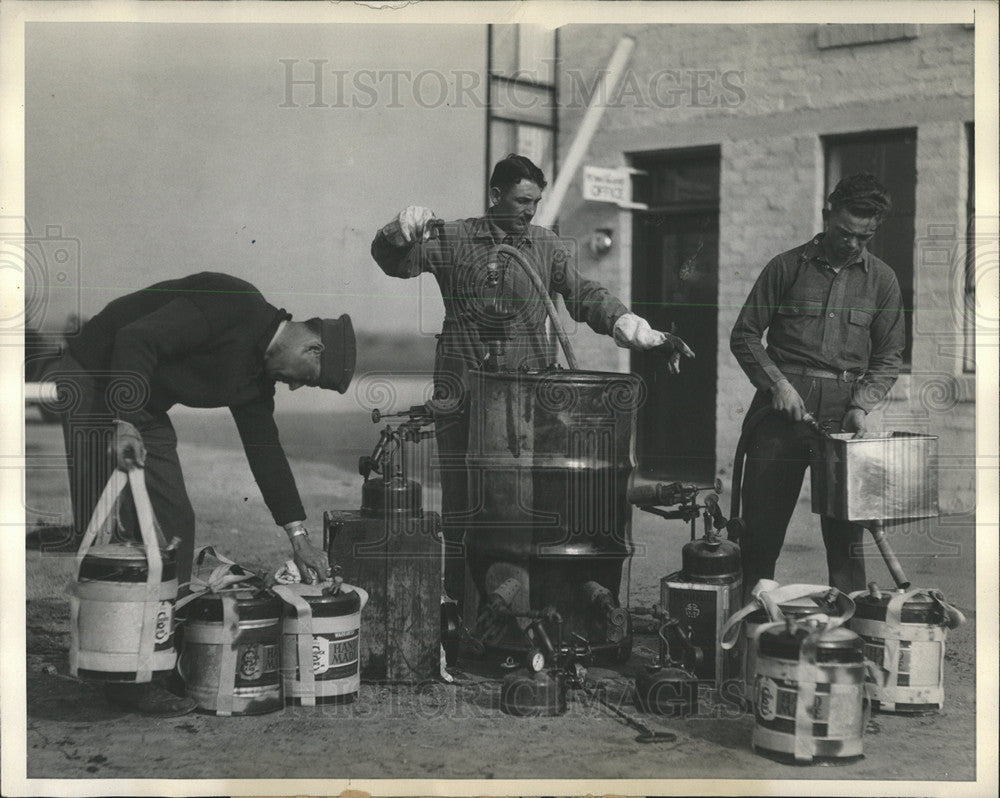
[[854, 421], [311, 561], [785, 399], [674, 347], [130, 451], [633, 332], [411, 225]]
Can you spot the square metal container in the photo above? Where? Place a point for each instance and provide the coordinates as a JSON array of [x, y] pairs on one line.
[[875, 478]]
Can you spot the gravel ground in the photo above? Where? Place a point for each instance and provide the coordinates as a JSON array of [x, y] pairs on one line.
[[441, 732]]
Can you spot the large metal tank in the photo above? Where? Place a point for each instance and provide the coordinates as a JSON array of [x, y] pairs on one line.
[[550, 457]]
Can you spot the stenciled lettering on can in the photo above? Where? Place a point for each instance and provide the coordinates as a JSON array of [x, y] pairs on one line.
[[766, 698], [255, 660], [164, 623], [334, 653]]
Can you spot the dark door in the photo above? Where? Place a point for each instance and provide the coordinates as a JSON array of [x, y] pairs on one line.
[[675, 285], [892, 158]]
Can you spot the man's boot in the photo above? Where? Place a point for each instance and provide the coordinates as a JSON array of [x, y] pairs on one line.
[[53, 539]]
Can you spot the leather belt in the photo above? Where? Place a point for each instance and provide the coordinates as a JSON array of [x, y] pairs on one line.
[[827, 374]]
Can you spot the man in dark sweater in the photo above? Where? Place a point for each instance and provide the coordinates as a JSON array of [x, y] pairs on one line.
[[207, 340]]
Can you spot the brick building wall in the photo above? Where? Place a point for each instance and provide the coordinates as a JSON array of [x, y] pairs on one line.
[[766, 95]]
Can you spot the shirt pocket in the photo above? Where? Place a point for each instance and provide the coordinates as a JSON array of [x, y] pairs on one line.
[[859, 333], [798, 323], [801, 307]]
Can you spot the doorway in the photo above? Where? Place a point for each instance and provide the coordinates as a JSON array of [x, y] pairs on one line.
[[675, 286]]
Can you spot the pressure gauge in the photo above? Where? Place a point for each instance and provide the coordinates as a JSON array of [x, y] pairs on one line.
[[536, 661]]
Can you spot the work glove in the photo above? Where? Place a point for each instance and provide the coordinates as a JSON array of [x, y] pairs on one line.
[[786, 400], [129, 450], [411, 225], [633, 332]]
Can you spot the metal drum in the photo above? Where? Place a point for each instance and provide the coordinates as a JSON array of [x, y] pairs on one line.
[[111, 604], [230, 660], [550, 456]]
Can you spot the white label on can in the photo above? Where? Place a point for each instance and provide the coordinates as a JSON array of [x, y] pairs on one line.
[[321, 655], [766, 698], [344, 652], [251, 663], [164, 622]]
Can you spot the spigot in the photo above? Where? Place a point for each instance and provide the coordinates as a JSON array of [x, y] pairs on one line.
[[613, 618]]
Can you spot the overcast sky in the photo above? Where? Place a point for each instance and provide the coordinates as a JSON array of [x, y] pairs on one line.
[[165, 150]]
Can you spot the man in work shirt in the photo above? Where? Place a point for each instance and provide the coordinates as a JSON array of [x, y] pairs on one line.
[[833, 314], [404, 248], [207, 340]]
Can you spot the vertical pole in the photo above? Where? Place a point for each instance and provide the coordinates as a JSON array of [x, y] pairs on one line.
[[549, 211]]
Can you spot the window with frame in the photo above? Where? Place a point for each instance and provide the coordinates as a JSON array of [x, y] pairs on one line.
[[522, 109], [892, 157]]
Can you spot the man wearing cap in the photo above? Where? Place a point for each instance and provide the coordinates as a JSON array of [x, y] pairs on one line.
[[207, 340], [404, 248], [833, 314]]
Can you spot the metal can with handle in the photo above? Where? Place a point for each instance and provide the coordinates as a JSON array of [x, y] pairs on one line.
[[809, 691], [796, 601], [905, 632], [230, 659], [111, 599], [122, 599], [321, 627]]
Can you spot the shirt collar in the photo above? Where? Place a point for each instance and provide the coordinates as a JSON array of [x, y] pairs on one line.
[[814, 251], [271, 331], [486, 229]]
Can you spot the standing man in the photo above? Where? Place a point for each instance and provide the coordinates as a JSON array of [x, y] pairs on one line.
[[404, 248], [833, 314], [208, 340]]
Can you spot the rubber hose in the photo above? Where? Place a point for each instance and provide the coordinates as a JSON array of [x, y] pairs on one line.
[[550, 307], [741, 447]]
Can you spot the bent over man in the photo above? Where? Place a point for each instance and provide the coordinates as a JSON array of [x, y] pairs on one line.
[[833, 314], [207, 340], [404, 248]]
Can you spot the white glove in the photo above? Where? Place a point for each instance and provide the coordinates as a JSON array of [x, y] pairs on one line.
[[411, 225], [633, 332]]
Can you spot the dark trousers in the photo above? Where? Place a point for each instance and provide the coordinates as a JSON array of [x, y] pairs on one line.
[[451, 430], [88, 432], [777, 455]]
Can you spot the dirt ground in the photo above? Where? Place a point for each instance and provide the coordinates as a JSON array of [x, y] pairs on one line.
[[456, 731]]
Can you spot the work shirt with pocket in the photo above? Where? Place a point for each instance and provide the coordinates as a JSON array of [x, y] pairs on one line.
[[457, 257], [849, 320]]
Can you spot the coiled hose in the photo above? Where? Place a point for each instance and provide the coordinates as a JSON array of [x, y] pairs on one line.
[[543, 292]]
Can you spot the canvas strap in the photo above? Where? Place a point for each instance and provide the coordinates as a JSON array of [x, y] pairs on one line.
[[304, 641], [227, 661], [785, 593], [99, 530]]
